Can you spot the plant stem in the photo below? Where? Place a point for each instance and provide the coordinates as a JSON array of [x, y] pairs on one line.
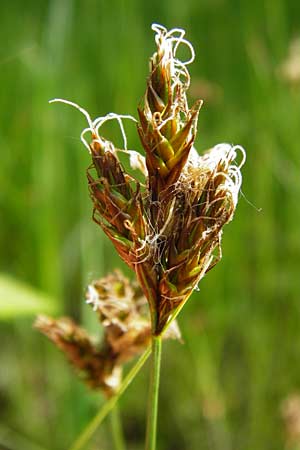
[[153, 393], [109, 405], [116, 429]]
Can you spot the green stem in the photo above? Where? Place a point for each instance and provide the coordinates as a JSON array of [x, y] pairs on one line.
[[153, 394], [110, 404], [116, 429]]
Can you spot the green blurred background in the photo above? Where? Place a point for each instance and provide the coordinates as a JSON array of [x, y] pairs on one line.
[[228, 386]]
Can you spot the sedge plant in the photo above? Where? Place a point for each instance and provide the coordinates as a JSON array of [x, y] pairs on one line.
[[168, 227]]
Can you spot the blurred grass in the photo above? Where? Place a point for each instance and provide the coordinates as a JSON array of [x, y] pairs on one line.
[[223, 388], [19, 299]]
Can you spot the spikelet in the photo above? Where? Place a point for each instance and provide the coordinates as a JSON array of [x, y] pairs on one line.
[[95, 365]]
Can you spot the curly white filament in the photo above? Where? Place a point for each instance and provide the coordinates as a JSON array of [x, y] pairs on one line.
[[97, 123]]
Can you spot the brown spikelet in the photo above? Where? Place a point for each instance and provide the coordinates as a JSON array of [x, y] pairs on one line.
[[118, 208], [96, 366]]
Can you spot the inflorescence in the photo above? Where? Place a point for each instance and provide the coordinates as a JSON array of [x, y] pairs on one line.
[[168, 230]]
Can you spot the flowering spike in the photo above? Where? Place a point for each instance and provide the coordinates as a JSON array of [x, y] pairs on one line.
[[168, 230]]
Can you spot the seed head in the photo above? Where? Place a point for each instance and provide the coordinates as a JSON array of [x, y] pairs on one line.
[[122, 311], [167, 229]]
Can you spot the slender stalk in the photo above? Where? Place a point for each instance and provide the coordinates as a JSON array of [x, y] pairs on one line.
[[116, 429], [110, 404], [153, 394]]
